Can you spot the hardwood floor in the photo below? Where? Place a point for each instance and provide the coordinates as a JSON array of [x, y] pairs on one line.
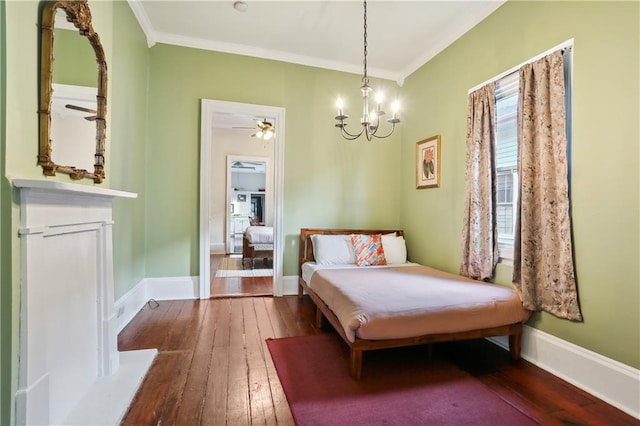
[[238, 286], [213, 367]]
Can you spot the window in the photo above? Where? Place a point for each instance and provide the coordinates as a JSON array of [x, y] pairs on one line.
[[506, 161], [506, 153]]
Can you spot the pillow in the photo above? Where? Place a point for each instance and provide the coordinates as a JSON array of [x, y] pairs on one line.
[[333, 249], [368, 249], [395, 249]]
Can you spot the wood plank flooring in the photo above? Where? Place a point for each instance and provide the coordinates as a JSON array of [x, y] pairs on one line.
[[237, 286], [213, 367]]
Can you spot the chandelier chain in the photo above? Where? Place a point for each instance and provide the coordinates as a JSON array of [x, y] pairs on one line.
[[365, 78]]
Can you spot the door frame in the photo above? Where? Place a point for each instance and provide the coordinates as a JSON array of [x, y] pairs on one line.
[[207, 109]]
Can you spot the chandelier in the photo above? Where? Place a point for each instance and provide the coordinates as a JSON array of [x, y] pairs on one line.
[[370, 119]]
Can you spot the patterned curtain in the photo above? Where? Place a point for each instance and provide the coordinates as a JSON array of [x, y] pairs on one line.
[[543, 270], [480, 236]]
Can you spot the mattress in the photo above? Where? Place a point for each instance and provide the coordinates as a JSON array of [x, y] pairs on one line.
[[413, 300], [259, 234], [308, 268]]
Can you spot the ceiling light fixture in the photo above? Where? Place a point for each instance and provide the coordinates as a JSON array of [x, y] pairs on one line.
[[265, 130], [240, 6], [369, 120]]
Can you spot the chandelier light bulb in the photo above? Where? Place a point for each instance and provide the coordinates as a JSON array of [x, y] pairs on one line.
[[340, 105], [379, 97]]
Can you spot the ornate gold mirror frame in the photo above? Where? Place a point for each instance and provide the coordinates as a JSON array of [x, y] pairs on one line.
[[78, 13]]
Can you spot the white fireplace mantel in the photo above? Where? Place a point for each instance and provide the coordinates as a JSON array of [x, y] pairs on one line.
[[68, 327]]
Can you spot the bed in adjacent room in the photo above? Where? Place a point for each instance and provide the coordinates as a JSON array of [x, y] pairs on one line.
[[361, 282], [257, 243]]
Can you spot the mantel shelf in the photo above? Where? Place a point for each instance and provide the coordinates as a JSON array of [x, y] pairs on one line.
[[70, 188]]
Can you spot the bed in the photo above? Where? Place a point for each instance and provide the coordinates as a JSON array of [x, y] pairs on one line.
[[257, 243], [402, 303]]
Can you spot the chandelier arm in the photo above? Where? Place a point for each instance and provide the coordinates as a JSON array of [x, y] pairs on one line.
[[393, 128], [350, 136]]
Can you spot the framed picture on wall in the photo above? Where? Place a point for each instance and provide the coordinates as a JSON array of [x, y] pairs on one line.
[[428, 163]]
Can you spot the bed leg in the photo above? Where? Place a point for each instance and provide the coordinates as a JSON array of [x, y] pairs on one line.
[[515, 344], [356, 364], [300, 292], [318, 318]]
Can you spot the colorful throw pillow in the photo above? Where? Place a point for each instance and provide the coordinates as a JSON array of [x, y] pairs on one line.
[[368, 249]]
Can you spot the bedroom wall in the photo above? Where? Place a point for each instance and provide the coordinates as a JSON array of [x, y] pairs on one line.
[[329, 182], [605, 179], [129, 70]]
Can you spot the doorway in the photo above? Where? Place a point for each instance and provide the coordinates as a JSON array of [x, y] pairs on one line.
[[211, 137], [249, 192]]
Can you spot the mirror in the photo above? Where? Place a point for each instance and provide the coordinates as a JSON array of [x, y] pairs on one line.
[[73, 93]]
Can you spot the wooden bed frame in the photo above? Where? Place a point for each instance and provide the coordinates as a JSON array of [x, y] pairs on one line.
[[249, 252], [514, 331]]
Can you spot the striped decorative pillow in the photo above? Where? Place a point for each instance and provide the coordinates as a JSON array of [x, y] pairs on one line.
[[368, 249]]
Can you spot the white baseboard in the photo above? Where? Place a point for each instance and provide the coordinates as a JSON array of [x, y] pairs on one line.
[[217, 248], [171, 288], [289, 285], [611, 381], [129, 305]]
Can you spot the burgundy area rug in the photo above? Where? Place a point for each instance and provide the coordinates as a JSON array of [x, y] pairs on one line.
[[399, 387]]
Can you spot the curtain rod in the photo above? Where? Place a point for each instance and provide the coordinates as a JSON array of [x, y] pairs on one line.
[[562, 46]]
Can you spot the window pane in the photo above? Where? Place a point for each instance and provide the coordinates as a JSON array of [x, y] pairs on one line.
[[506, 159]]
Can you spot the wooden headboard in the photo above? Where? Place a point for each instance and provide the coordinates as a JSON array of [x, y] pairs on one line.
[[306, 248]]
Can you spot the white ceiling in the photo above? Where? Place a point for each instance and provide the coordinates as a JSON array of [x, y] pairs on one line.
[[402, 35]]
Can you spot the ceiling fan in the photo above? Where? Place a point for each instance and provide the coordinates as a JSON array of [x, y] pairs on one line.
[[79, 108], [252, 165], [266, 130]]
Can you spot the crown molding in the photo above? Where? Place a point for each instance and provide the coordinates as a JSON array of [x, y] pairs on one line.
[[275, 55], [143, 20]]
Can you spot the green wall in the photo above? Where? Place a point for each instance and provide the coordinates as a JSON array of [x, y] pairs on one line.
[[128, 76], [605, 179], [328, 181]]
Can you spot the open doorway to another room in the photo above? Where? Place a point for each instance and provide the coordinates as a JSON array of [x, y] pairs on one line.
[[242, 248], [247, 266]]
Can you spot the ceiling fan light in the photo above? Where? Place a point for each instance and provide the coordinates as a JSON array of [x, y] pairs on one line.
[[259, 134], [268, 134]]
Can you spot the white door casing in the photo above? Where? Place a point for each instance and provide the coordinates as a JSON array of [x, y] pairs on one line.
[[208, 108]]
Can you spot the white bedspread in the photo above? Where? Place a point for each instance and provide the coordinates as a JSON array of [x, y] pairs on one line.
[[390, 303], [259, 234]]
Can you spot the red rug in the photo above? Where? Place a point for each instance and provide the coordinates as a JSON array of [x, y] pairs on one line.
[[398, 387]]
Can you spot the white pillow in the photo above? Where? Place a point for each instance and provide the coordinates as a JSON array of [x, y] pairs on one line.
[[395, 249], [333, 249]]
